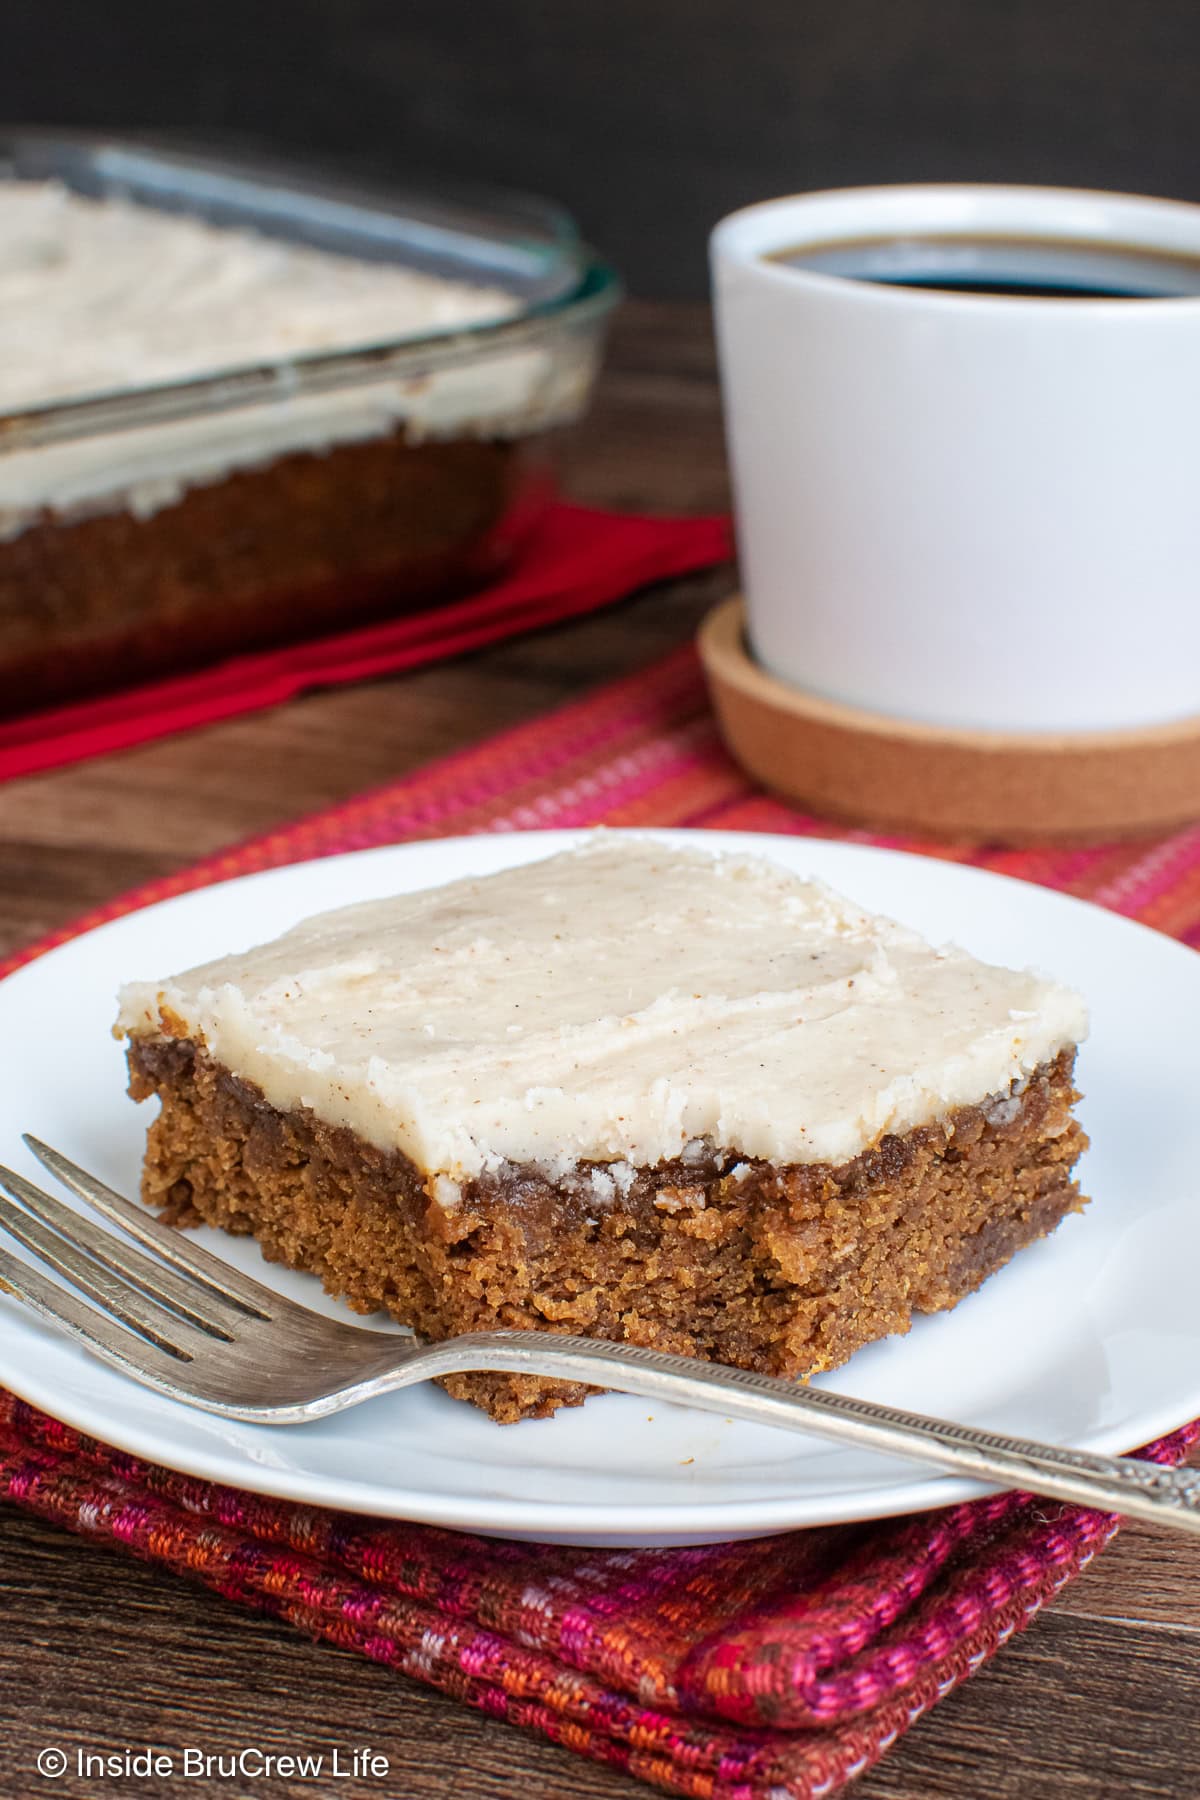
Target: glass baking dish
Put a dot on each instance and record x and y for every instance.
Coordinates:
(159, 522)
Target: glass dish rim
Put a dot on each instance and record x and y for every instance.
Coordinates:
(594, 292)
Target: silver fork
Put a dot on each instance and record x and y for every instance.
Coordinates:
(190, 1326)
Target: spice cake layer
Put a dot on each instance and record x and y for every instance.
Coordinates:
(634, 1090)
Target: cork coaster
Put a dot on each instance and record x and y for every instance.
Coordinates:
(894, 772)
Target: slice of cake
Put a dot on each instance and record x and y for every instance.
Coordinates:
(653, 1094)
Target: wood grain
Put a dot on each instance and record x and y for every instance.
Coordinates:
(1099, 1698)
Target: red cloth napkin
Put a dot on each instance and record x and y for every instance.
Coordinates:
(575, 561)
(770, 1670)
(775, 1670)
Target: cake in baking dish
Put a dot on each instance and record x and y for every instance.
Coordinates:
(181, 534)
(634, 1090)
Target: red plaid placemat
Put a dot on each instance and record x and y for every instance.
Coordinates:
(775, 1670)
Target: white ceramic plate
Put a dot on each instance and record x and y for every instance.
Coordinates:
(1091, 1338)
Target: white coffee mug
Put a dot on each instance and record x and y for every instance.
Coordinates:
(970, 510)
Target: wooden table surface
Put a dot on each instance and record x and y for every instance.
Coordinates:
(1100, 1698)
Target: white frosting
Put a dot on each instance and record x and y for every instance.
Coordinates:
(615, 1004)
(97, 295)
(105, 296)
(147, 468)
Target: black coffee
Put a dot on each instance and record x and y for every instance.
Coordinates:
(1030, 268)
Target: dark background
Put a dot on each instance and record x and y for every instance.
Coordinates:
(649, 118)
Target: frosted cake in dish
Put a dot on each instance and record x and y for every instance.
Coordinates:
(125, 550)
(646, 1093)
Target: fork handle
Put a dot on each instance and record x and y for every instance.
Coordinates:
(1136, 1488)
